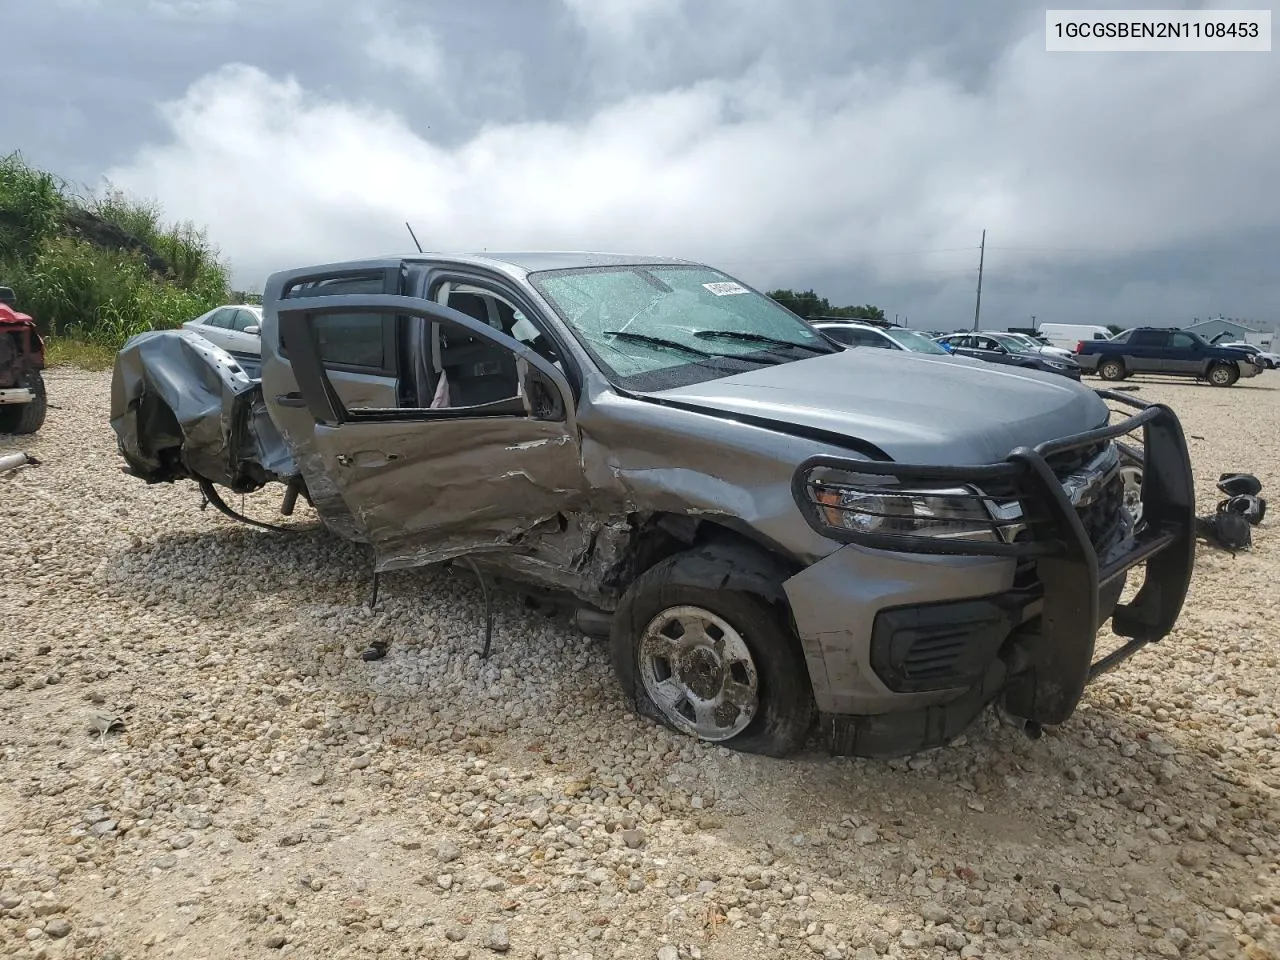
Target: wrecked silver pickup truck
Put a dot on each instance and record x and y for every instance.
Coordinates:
(776, 531)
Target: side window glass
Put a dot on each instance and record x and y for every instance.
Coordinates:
(244, 319)
(352, 339)
(355, 341)
(1180, 341)
(471, 374)
(221, 318)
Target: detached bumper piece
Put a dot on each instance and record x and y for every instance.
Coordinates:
(1074, 554)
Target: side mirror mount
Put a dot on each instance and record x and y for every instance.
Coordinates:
(253, 330)
(547, 394)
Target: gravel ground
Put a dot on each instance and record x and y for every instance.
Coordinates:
(263, 792)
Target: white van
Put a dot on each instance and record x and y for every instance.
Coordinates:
(1067, 335)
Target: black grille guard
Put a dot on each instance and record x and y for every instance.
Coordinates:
(1059, 662)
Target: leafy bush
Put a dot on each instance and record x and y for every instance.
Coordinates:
(100, 268)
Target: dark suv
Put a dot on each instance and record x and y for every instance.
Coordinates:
(1160, 350)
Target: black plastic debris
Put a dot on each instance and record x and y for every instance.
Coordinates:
(1250, 507)
(1239, 484)
(1229, 527)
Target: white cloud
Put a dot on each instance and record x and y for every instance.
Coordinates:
(413, 50)
(620, 19)
(1083, 157)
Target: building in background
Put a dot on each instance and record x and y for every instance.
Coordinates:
(1215, 327)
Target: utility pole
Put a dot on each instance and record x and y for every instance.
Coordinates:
(1033, 321)
(982, 254)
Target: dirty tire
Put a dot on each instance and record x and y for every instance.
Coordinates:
(1223, 375)
(26, 417)
(784, 711)
(1111, 370)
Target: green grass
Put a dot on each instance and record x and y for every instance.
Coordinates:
(85, 355)
(94, 291)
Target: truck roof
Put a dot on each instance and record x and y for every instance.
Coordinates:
(535, 260)
(517, 265)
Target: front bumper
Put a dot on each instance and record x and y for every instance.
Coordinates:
(16, 395)
(1017, 619)
(1248, 368)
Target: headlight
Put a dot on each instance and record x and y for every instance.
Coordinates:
(1059, 364)
(951, 512)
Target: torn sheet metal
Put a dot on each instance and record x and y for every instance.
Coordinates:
(421, 502)
(182, 406)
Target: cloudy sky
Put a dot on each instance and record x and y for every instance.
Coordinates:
(859, 148)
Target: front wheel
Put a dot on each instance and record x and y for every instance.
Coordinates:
(26, 417)
(1111, 370)
(717, 664)
(1223, 375)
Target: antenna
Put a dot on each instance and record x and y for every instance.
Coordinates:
(414, 235)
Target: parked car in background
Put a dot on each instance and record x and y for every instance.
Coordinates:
(1160, 350)
(1067, 335)
(1039, 345)
(993, 348)
(236, 328)
(857, 334)
(1264, 359)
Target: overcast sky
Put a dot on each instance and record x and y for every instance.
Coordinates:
(859, 148)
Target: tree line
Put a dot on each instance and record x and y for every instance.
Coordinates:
(809, 304)
(100, 266)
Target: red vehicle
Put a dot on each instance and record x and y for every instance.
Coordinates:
(22, 395)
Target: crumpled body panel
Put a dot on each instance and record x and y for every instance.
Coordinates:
(183, 407)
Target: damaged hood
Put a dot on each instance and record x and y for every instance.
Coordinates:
(916, 408)
(183, 406)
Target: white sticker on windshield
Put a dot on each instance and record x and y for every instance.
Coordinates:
(726, 289)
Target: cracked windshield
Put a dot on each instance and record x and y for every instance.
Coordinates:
(641, 321)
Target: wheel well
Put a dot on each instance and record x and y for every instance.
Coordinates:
(159, 437)
(761, 562)
(1225, 365)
